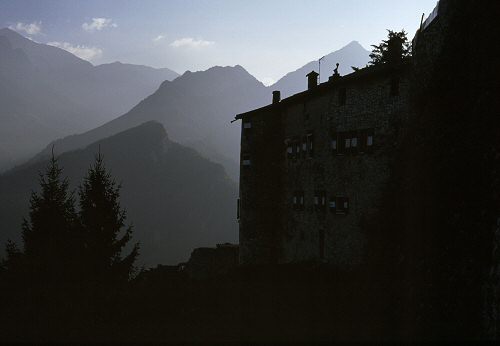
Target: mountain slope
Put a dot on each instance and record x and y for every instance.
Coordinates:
(175, 199)
(351, 55)
(30, 108)
(195, 108)
(48, 93)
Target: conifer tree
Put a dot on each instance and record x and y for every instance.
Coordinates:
(52, 242)
(103, 224)
(393, 50)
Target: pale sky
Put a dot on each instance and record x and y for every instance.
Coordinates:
(268, 38)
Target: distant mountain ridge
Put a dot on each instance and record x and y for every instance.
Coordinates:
(176, 199)
(196, 109)
(48, 93)
(351, 55)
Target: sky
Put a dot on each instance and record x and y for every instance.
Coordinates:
(269, 38)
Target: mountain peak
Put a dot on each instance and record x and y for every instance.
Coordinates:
(13, 35)
(353, 45)
(352, 54)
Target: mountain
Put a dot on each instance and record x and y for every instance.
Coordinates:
(196, 108)
(48, 93)
(176, 199)
(351, 55)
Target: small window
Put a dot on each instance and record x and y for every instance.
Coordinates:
(334, 144)
(365, 140)
(297, 148)
(320, 200)
(347, 143)
(298, 200)
(342, 96)
(310, 145)
(238, 207)
(354, 142)
(342, 205)
(246, 160)
(369, 140)
(247, 125)
(333, 205)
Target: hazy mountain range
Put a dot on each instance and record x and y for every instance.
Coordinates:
(47, 93)
(176, 199)
(196, 109)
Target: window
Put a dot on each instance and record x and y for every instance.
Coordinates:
(333, 143)
(347, 143)
(333, 204)
(320, 200)
(342, 96)
(297, 148)
(298, 200)
(369, 140)
(365, 140)
(304, 145)
(342, 205)
(238, 207)
(310, 145)
(395, 86)
(354, 142)
(247, 125)
(246, 160)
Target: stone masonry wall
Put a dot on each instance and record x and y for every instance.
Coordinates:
(360, 177)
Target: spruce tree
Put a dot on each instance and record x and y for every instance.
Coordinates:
(52, 241)
(391, 51)
(103, 224)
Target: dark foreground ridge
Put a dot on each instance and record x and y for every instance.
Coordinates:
(307, 302)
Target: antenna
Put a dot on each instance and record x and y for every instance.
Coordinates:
(319, 68)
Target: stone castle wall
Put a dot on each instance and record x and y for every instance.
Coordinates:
(320, 232)
(286, 198)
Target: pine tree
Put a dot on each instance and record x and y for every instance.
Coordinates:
(391, 51)
(103, 224)
(51, 237)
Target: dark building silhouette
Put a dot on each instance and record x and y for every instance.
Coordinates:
(314, 165)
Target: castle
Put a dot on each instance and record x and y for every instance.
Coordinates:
(314, 166)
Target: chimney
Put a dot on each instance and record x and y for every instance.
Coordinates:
(276, 96)
(312, 80)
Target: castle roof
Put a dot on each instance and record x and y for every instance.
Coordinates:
(362, 75)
